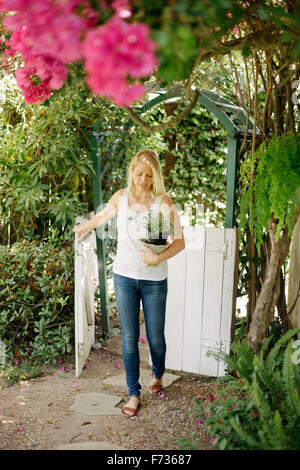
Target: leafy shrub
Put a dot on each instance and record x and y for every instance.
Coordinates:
(275, 186)
(264, 411)
(13, 374)
(37, 299)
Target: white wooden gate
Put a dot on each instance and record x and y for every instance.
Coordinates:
(199, 304)
(86, 284)
(200, 300)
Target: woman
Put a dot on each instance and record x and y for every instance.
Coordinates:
(138, 272)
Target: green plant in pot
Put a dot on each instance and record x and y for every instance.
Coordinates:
(157, 228)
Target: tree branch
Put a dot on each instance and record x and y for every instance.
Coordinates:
(260, 40)
(164, 125)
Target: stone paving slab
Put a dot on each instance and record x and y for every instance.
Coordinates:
(97, 404)
(89, 445)
(145, 379)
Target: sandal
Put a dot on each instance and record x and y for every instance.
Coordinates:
(154, 389)
(132, 411)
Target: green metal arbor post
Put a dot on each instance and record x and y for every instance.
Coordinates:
(232, 117)
(95, 141)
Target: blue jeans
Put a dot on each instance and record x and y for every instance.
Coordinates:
(128, 292)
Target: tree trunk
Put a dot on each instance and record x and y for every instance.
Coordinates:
(269, 294)
(294, 277)
(281, 306)
(253, 276)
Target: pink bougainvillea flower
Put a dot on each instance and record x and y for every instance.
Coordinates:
(48, 36)
(212, 397)
(114, 52)
(234, 31)
(161, 395)
(74, 386)
(32, 93)
(118, 365)
(16, 362)
(51, 34)
(200, 421)
(60, 361)
(212, 440)
(200, 397)
(54, 27)
(138, 415)
(122, 8)
(20, 429)
(143, 339)
(63, 368)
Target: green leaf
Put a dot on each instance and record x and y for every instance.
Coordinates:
(263, 14)
(246, 51)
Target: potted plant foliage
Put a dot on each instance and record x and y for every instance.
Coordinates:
(157, 228)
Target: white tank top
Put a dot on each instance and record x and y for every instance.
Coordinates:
(128, 261)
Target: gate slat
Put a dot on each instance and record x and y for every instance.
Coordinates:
(84, 251)
(175, 311)
(213, 280)
(195, 255)
(228, 294)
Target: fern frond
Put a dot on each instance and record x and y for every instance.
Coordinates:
(242, 359)
(261, 402)
(270, 360)
(265, 346)
(292, 399)
(243, 435)
(264, 442)
(278, 433)
(266, 379)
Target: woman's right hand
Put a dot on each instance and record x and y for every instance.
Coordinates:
(80, 229)
(101, 217)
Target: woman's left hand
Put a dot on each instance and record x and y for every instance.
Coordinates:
(149, 256)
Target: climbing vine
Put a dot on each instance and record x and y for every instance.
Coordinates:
(277, 179)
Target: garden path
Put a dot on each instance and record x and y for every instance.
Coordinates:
(37, 413)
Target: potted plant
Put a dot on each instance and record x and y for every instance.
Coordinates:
(157, 228)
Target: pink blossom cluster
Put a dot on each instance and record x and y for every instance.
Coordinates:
(122, 8)
(114, 51)
(51, 34)
(32, 93)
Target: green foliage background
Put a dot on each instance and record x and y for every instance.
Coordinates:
(262, 411)
(198, 174)
(46, 181)
(275, 186)
(37, 299)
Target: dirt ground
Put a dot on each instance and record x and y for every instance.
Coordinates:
(34, 414)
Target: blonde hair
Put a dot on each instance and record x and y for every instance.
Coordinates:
(150, 158)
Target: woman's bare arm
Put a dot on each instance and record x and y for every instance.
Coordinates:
(168, 209)
(169, 212)
(101, 217)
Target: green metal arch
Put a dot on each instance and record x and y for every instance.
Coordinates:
(232, 117)
(215, 103)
